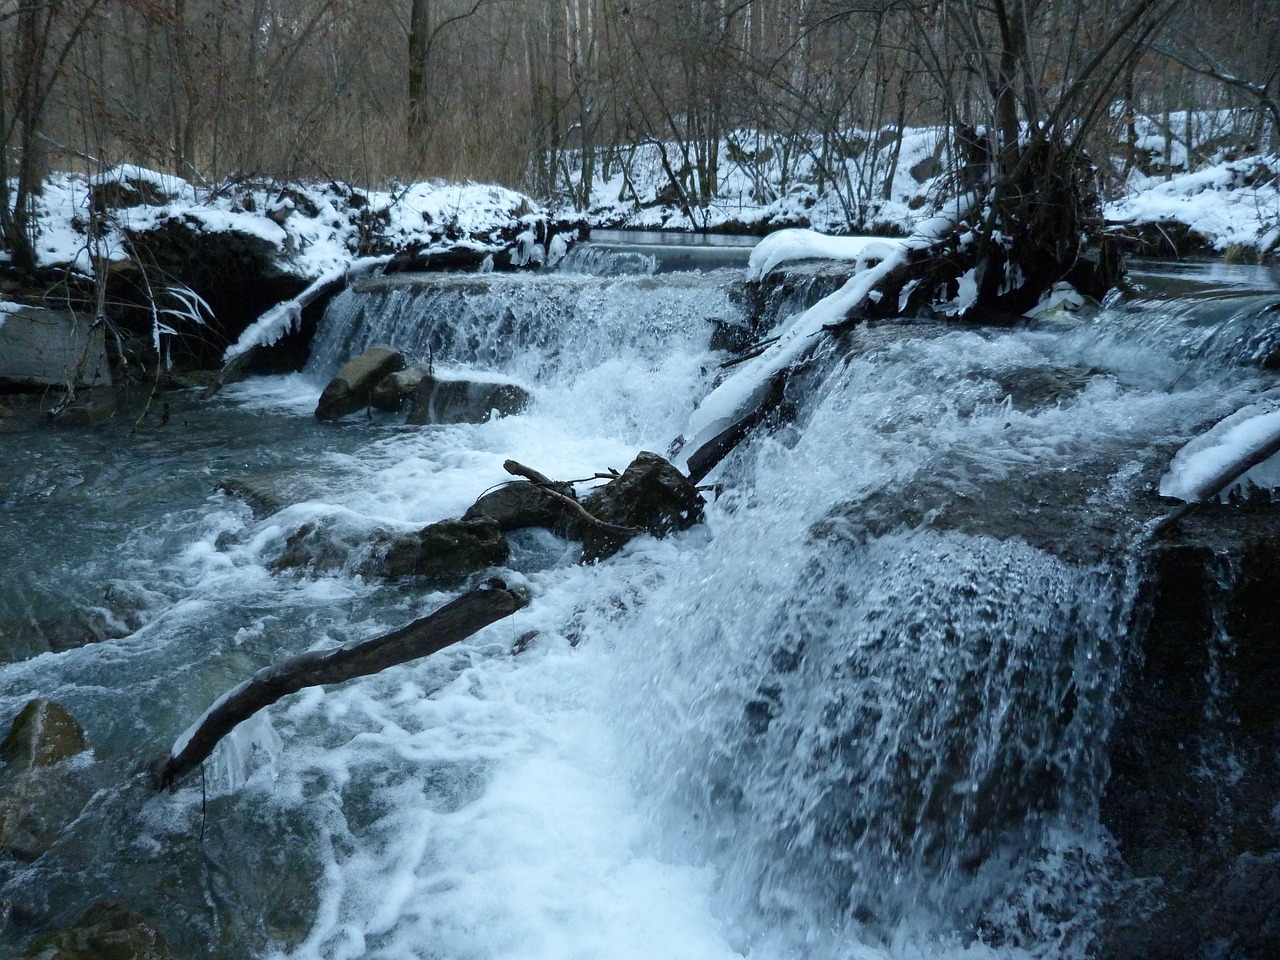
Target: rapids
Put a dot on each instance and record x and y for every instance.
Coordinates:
(860, 712)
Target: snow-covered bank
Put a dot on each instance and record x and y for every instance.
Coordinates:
(313, 228)
(1230, 206)
(886, 185)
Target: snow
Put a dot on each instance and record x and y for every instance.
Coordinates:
(768, 180)
(1206, 467)
(738, 394)
(787, 246)
(1234, 203)
(314, 228)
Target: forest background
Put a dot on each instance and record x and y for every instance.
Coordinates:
(557, 97)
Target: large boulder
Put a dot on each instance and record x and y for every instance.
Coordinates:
(651, 496)
(40, 347)
(350, 390)
(448, 549)
(1192, 797)
(447, 398)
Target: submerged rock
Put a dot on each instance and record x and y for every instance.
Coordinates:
(443, 398)
(450, 548)
(350, 390)
(42, 734)
(105, 932)
(651, 496)
(39, 794)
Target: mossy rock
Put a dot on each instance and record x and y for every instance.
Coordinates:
(350, 390)
(105, 932)
(448, 549)
(43, 734)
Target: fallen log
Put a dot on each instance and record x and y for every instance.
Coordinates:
(456, 620)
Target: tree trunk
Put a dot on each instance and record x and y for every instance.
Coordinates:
(419, 34)
(456, 620)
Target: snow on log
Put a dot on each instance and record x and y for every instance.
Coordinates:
(790, 245)
(456, 620)
(283, 317)
(1241, 448)
(728, 411)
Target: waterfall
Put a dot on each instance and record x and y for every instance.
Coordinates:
(535, 327)
(865, 710)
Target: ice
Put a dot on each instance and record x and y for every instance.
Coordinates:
(1212, 464)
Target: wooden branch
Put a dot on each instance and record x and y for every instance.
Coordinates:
(456, 620)
(517, 469)
(553, 489)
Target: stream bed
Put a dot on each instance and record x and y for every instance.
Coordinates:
(860, 712)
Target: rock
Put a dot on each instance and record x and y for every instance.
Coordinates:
(87, 407)
(349, 391)
(74, 626)
(40, 347)
(450, 548)
(1191, 799)
(520, 504)
(105, 932)
(441, 398)
(43, 733)
(271, 491)
(651, 495)
(39, 794)
(395, 389)
(315, 546)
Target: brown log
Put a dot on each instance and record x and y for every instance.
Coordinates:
(518, 469)
(456, 620)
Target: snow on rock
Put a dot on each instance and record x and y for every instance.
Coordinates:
(1212, 464)
(143, 184)
(314, 228)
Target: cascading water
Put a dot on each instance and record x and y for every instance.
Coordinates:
(862, 711)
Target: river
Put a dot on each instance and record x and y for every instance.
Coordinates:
(860, 712)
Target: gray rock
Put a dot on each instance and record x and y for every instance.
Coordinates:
(651, 495)
(350, 390)
(51, 347)
(448, 549)
(443, 399)
(394, 390)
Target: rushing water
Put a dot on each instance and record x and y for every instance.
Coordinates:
(860, 712)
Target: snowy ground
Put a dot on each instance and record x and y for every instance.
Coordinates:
(764, 183)
(317, 228)
(1224, 202)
